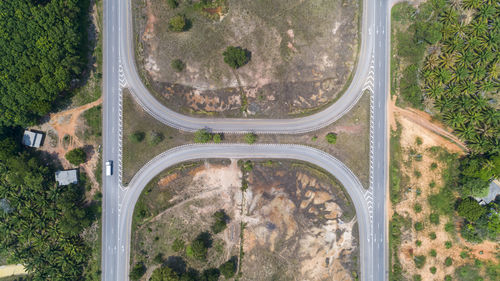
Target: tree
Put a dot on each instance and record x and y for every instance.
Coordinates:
(158, 258)
(419, 226)
(137, 137)
(164, 273)
(177, 23)
(419, 261)
(434, 218)
(470, 209)
(155, 137)
(250, 138)
(202, 136)
(211, 274)
(228, 269)
(137, 271)
(217, 138)
(220, 223)
(331, 138)
(236, 57)
(475, 187)
(178, 65)
(76, 156)
(178, 245)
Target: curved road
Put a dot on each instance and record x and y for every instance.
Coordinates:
(128, 197)
(232, 125)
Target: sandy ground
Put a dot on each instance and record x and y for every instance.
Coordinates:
(68, 123)
(11, 270)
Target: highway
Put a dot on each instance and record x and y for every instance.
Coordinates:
(372, 73)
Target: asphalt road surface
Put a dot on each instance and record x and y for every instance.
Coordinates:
(118, 203)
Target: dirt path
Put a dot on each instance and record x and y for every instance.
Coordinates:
(12, 270)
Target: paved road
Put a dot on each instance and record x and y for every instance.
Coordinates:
(230, 125)
(119, 70)
(169, 158)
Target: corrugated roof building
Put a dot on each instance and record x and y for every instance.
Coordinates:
(32, 139)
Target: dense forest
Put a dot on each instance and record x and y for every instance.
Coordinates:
(42, 50)
(41, 44)
(451, 62)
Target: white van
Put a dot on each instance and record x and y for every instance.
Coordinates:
(109, 168)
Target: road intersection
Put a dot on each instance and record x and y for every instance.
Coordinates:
(120, 71)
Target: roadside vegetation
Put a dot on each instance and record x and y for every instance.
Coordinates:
(51, 60)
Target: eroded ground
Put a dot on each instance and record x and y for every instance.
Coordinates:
(297, 222)
(302, 55)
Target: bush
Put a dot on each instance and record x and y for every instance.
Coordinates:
(178, 245)
(448, 261)
(470, 209)
(417, 208)
(137, 137)
(448, 244)
(228, 269)
(432, 235)
(417, 277)
(76, 156)
(221, 219)
(236, 57)
(464, 254)
(177, 23)
(433, 270)
(155, 138)
(250, 138)
(419, 226)
(434, 218)
(434, 166)
(137, 271)
(449, 227)
(197, 250)
(158, 258)
(475, 187)
(418, 243)
(172, 4)
(177, 65)
(202, 136)
(447, 278)
(419, 261)
(331, 138)
(211, 274)
(217, 138)
(433, 253)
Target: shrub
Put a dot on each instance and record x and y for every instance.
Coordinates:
(177, 23)
(447, 278)
(137, 137)
(417, 208)
(221, 219)
(158, 258)
(419, 226)
(433, 270)
(137, 271)
(418, 141)
(202, 136)
(331, 138)
(178, 245)
(464, 254)
(178, 65)
(250, 138)
(418, 243)
(155, 138)
(314, 138)
(417, 277)
(470, 209)
(448, 244)
(434, 218)
(236, 57)
(475, 187)
(197, 250)
(228, 269)
(417, 174)
(172, 4)
(449, 227)
(211, 274)
(433, 253)
(432, 184)
(434, 166)
(419, 261)
(217, 138)
(76, 156)
(448, 261)
(432, 235)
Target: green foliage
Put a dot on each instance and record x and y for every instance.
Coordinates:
(248, 166)
(202, 136)
(434, 218)
(433, 253)
(419, 261)
(331, 138)
(137, 137)
(314, 138)
(217, 138)
(449, 227)
(417, 208)
(178, 65)
(42, 52)
(418, 243)
(443, 201)
(158, 258)
(432, 235)
(474, 187)
(419, 226)
(433, 270)
(250, 138)
(178, 245)
(434, 166)
(211, 274)
(172, 4)
(464, 254)
(467, 273)
(470, 209)
(164, 273)
(448, 261)
(228, 269)
(448, 244)
(93, 120)
(448, 278)
(137, 271)
(236, 57)
(408, 86)
(154, 137)
(417, 277)
(220, 221)
(178, 24)
(76, 156)
(419, 141)
(199, 247)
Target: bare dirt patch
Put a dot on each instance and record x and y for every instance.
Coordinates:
(302, 55)
(298, 222)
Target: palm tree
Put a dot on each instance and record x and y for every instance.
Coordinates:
(472, 4)
(447, 60)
